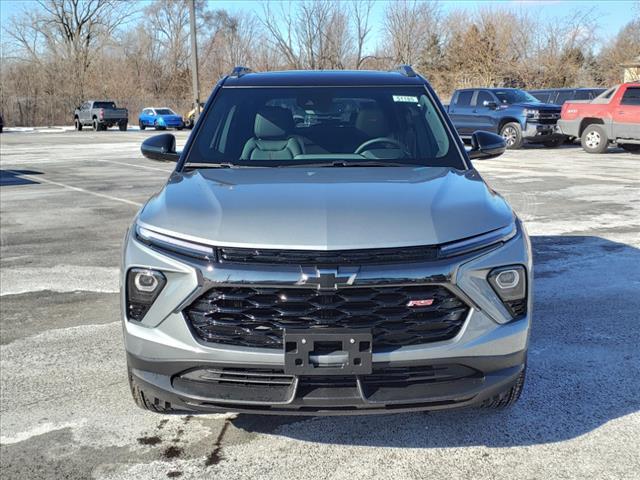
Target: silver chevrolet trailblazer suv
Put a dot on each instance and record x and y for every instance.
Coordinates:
(325, 246)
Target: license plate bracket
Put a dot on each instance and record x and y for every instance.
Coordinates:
(304, 352)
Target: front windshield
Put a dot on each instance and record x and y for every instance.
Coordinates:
(165, 111)
(279, 126)
(515, 96)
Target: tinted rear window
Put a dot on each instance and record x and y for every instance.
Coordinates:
(110, 105)
(631, 96)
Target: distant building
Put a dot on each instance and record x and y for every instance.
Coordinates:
(631, 69)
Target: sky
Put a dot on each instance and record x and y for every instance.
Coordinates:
(612, 15)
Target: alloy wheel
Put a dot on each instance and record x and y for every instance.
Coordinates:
(509, 134)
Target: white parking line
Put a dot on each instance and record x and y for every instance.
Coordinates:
(38, 179)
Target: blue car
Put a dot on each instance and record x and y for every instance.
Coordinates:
(160, 119)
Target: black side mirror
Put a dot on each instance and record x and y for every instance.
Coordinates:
(160, 147)
(486, 145)
(491, 105)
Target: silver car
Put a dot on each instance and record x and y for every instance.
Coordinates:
(325, 246)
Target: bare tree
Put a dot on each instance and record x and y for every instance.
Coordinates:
(361, 12)
(408, 26)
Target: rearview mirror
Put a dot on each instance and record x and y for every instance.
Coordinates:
(486, 145)
(160, 147)
(489, 104)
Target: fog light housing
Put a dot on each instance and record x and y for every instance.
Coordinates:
(143, 287)
(510, 284)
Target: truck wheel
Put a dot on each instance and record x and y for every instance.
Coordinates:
(96, 125)
(512, 134)
(122, 126)
(594, 139)
(556, 142)
(147, 402)
(507, 397)
(78, 125)
(630, 147)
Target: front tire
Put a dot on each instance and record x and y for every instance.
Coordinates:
(96, 125)
(594, 139)
(122, 126)
(630, 147)
(512, 134)
(507, 397)
(142, 125)
(78, 125)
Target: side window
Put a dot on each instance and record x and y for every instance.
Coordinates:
(464, 98)
(583, 95)
(564, 96)
(631, 96)
(484, 96)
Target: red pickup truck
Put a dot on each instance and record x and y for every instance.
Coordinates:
(612, 117)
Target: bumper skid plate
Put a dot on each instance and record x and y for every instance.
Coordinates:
(327, 352)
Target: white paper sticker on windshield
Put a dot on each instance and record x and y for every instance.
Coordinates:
(405, 99)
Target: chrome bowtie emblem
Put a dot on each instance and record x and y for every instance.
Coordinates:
(328, 278)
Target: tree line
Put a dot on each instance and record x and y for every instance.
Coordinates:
(60, 52)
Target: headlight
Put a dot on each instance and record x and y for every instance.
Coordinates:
(531, 113)
(143, 287)
(510, 283)
(175, 245)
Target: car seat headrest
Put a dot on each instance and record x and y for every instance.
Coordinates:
(273, 123)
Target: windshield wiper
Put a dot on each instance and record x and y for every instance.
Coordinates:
(213, 165)
(348, 163)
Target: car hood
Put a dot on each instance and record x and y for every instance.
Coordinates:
(538, 106)
(326, 208)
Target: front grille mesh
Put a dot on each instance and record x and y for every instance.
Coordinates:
(257, 317)
(333, 257)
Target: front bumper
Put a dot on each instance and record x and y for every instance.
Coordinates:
(427, 388)
(570, 128)
(489, 347)
(540, 132)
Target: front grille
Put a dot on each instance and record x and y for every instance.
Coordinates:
(403, 376)
(328, 258)
(257, 317)
(548, 118)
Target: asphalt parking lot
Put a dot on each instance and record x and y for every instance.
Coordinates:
(66, 411)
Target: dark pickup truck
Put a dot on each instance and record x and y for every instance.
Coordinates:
(515, 114)
(100, 114)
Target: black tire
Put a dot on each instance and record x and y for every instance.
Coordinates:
(147, 402)
(630, 147)
(96, 125)
(594, 139)
(78, 124)
(512, 134)
(556, 142)
(179, 128)
(122, 126)
(507, 397)
(142, 125)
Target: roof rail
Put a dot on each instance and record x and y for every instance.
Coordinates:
(240, 71)
(405, 70)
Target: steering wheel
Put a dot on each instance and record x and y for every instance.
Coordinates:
(365, 146)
